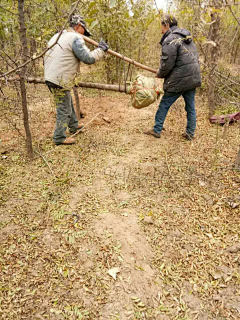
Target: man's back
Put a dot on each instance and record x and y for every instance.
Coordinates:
(60, 63)
(179, 61)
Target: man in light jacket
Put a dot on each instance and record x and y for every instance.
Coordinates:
(180, 68)
(61, 63)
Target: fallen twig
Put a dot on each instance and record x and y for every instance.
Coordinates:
(73, 135)
(45, 160)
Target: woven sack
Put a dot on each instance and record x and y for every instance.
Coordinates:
(143, 91)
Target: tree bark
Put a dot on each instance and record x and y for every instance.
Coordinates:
(234, 57)
(77, 102)
(90, 85)
(33, 50)
(23, 37)
(214, 36)
(237, 163)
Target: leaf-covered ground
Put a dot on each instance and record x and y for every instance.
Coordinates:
(163, 212)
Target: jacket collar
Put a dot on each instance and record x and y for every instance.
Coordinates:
(167, 34)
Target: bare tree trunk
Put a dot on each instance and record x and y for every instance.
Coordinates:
(214, 36)
(13, 42)
(234, 56)
(23, 37)
(77, 102)
(237, 163)
(33, 50)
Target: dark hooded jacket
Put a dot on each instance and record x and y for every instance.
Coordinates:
(179, 61)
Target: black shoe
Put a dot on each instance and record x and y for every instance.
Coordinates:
(187, 136)
(152, 133)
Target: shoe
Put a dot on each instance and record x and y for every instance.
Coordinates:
(187, 136)
(153, 133)
(67, 141)
(80, 126)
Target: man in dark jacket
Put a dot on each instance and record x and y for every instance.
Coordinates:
(180, 68)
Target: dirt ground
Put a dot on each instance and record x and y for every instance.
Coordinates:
(120, 225)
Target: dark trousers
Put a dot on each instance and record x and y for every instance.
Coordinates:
(167, 100)
(66, 116)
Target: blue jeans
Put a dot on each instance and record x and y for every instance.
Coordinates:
(167, 100)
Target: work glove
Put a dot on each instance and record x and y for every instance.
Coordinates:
(102, 45)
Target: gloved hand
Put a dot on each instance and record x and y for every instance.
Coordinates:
(102, 45)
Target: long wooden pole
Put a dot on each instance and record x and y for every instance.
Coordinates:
(113, 53)
(101, 86)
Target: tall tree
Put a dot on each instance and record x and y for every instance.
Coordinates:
(22, 73)
(213, 59)
(237, 163)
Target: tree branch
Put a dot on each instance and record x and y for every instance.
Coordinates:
(45, 160)
(8, 57)
(46, 9)
(233, 39)
(2, 7)
(13, 124)
(230, 8)
(47, 49)
(156, 5)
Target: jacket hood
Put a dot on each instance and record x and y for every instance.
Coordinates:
(185, 34)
